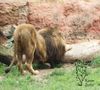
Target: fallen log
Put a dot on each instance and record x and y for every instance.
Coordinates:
(86, 51)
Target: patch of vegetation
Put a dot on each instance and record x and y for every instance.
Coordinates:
(96, 62)
(37, 65)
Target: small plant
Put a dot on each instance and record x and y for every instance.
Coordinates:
(81, 72)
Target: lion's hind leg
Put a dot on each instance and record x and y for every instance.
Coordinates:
(29, 61)
(20, 64)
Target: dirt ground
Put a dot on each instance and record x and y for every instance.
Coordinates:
(45, 72)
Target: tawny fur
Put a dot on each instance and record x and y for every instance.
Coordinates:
(24, 45)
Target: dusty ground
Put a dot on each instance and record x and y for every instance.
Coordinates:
(44, 72)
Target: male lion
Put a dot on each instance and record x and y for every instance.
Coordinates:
(55, 45)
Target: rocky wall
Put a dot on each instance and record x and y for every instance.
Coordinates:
(76, 19)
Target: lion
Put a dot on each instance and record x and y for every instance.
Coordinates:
(25, 44)
(55, 45)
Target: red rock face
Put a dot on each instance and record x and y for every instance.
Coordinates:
(12, 13)
(77, 20)
(44, 14)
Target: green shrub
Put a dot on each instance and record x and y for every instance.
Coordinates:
(81, 72)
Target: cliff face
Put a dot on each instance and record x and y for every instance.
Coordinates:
(77, 20)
